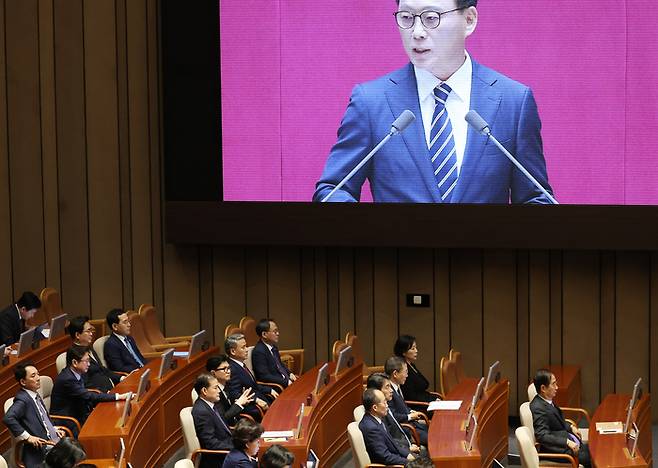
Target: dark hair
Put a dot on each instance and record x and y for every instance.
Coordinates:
(77, 325)
(29, 300)
(202, 381)
(263, 326)
(370, 398)
(76, 352)
(20, 370)
(394, 364)
(65, 454)
(460, 3)
(403, 344)
(276, 457)
(246, 431)
(377, 380)
(213, 362)
(232, 341)
(542, 377)
(113, 317)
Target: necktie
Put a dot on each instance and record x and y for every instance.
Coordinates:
(132, 352)
(399, 427)
(277, 361)
(51, 432)
(249, 372)
(219, 415)
(442, 145)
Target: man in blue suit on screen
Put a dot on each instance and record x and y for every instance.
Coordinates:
(438, 158)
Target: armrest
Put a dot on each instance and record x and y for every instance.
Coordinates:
(276, 387)
(18, 451)
(198, 452)
(424, 417)
(575, 414)
(67, 418)
(153, 355)
(94, 390)
(173, 339)
(560, 456)
(414, 432)
(440, 396)
(69, 432)
(166, 346)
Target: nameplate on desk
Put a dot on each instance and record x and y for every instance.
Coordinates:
(277, 436)
(181, 354)
(615, 427)
(445, 405)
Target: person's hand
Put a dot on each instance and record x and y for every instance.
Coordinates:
(274, 393)
(261, 404)
(125, 396)
(414, 448)
(410, 457)
(246, 397)
(415, 416)
(121, 379)
(36, 441)
(8, 350)
(573, 446)
(61, 433)
(575, 431)
(292, 377)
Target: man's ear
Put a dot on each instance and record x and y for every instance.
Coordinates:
(471, 16)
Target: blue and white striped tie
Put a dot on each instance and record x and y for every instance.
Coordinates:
(442, 145)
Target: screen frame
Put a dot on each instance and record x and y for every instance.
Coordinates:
(190, 48)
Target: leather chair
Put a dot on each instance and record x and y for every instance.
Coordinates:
(358, 413)
(60, 362)
(456, 357)
(191, 441)
(278, 388)
(231, 329)
(99, 347)
(526, 419)
(137, 332)
(572, 415)
(154, 334)
(359, 452)
(248, 327)
(3, 462)
(448, 375)
(530, 458)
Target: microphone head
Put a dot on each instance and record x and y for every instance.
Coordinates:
(402, 122)
(477, 122)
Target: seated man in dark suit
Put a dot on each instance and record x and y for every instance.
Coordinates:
(246, 443)
(219, 367)
(13, 318)
(380, 445)
(98, 376)
(27, 418)
(552, 431)
(397, 370)
(120, 350)
(265, 357)
(241, 376)
(211, 428)
(69, 396)
(401, 435)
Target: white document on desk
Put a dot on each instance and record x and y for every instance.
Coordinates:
(445, 405)
(277, 434)
(181, 354)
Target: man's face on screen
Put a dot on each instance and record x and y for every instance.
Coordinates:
(439, 50)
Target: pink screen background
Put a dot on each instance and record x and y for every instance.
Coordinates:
(288, 68)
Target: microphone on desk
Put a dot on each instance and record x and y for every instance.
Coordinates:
(398, 126)
(478, 123)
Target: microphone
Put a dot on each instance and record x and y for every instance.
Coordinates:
(398, 126)
(478, 123)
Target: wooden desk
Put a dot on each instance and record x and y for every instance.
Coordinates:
(446, 434)
(607, 450)
(153, 431)
(44, 360)
(569, 386)
(324, 425)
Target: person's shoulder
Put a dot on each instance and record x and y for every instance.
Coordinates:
(259, 347)
(395, 77)
(492, 77)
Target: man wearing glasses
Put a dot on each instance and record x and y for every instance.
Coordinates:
(438, 159)
(219, 367)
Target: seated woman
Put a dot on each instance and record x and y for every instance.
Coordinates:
(415, 387)
(246, 443)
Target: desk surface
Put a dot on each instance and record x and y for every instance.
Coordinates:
(152, 433)
(607, 450)
(446, 435)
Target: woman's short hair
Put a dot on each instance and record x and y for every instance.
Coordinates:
(65, 454)
(246, 431)
(403, 344)
(276, 457)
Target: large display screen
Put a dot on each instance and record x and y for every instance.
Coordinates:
(289, 67)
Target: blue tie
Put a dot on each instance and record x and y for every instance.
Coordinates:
(442, 145)
(134, 354)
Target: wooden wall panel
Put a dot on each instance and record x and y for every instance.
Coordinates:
(441, 296)
(524, 345)
(307, 289)
(322, 341)
(256, 282)
(6, 281)
(385, 324)
(24, 144)
(608, 343)
(653, 343)
(555, 330)
(346, 306)
(228, 288)
(181, 290)
(285, 304)
(538, 297)
(364, 302)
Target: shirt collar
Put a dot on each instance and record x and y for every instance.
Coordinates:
(550, 402)
(212, 405)
(460, 81)
(239, 362)
(269, 346)
(77, 376)
(121, 337)
(32, 394)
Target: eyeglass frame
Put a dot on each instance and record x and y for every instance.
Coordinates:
(420, 15)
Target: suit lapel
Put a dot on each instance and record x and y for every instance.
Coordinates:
(485, 99)
(402, 96)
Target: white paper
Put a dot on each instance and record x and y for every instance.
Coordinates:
(14, 351)
(277, 434)
(46, 332)
(615, 427)
(446, 405)
(181, 354)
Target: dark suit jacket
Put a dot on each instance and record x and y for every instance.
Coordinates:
(551, 429)
(229, 409)
(241, 379)
(237, 458)
(264, 364)
(397, 433)
(71, 398)
(380, 445)
(415, 387)
(401, 411)
(98, 376)
(118, 357)
(402, 170)
(212, 434)
(11, 325)
(23, 415)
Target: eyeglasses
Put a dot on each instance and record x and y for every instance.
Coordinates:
(224, 369)
(429, 19)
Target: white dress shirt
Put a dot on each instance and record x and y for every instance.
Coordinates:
(458, 104)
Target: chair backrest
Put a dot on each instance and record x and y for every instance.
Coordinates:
(361, 457)
(190, 439)
(456, 358)
(194, 395)
(532, 391)
(8, 403)
(3, 462)
(231, 329)
(152, 329)
(138, 334)
(337, 348)
(354, 342)
(358, 413)
(247, 361)
(101, 327)
(60, 362)
(51, 305)
(526, 418)
(99, 347)
(248, 326)
(45, 390)
(448, 375)
(528, 452)
(184, 463)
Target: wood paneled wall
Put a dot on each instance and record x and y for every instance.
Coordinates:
(81, 211)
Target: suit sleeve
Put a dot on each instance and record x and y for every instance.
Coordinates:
(6, 335)
(12, 418)
(530, 153)
(73, 390)
(234, 387)
(205, 431)
(114, 358)
(399, 412)
(380, 451)
(259, 360)
(353, 143)
(543, 433)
